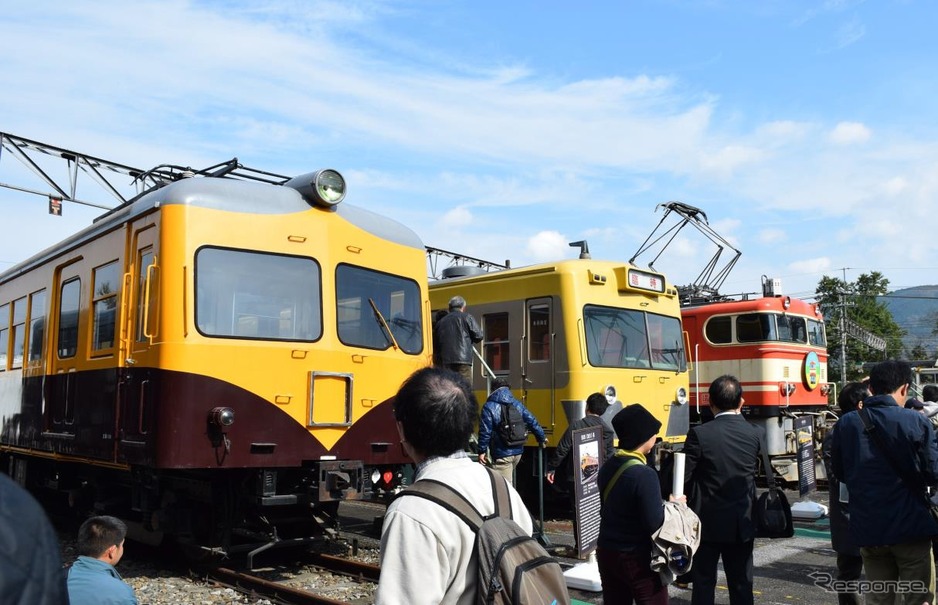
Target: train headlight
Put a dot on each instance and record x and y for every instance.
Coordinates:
(825, 389)
(611, 395)
(681, 395)
(222, 416)
(323, 187)
(786, 388)
(375, 476)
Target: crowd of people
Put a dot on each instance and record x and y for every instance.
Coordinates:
(881, 458)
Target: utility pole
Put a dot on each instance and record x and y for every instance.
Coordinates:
(843, 330)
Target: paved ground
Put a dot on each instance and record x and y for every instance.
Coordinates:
(782, 569)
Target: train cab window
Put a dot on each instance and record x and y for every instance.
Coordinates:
(37, 325)
(495, 345)
(816, 335)
(19, 332)
(107, 287)
(370, 303)
(69, 301)
(255, 295)
(755, 327)
(791, 328)
(4, 336)
(539, 333)
(719, 330)
(616, 337)
(667, 343)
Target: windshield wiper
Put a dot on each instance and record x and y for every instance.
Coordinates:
(385, 329)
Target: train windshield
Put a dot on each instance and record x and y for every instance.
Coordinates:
(756, 327)
(377, 310)
(254, 295)
(624, 338)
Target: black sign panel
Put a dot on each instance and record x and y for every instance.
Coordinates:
(587, 457)
(804, 431)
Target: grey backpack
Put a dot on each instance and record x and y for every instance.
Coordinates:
(513, 567)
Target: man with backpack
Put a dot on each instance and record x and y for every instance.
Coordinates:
(435, 546)
(503, 429)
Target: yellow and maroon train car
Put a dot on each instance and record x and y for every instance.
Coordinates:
(215, 358)
(777, 348)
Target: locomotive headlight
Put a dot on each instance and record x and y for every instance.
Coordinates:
(375, 476)
(330, 186)
(222, 416)
(681, 395)
(323, 187)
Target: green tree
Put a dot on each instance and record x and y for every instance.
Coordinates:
(858, 302)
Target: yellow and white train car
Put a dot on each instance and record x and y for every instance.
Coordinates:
(563, 330)
(215, 358)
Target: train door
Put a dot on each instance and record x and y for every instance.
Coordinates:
(65, 356)
(538, 360)
(140, 327)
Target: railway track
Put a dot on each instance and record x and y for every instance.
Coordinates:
(255, 585)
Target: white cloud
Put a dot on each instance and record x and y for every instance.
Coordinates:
(783, 131)
(772, 236)
(548, 245)
(818, 265)
(456, 218)
(849, 33)
(850, 133)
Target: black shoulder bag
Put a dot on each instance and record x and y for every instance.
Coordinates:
(771, 513)
(915, 487)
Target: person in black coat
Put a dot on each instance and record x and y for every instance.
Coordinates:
(849, 561)
(596, 405)
(719, 474)
(30, 564)
(453, 336)
(631, 511)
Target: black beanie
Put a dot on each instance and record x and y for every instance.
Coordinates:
(634, 426)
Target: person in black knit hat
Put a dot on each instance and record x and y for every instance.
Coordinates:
(631, 511)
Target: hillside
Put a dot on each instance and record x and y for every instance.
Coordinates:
(916, 311)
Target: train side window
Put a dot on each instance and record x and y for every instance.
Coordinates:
(19, 332)
(4, 336)
(495, 344)
(719, 330)
(69, 302)
(755, 327)
(37, 324)
(257, 295)
(539, 333)
(146, 308)
(107, 286)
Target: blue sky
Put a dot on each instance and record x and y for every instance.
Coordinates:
(806, 131)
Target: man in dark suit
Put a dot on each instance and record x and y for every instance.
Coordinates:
(719, 475)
